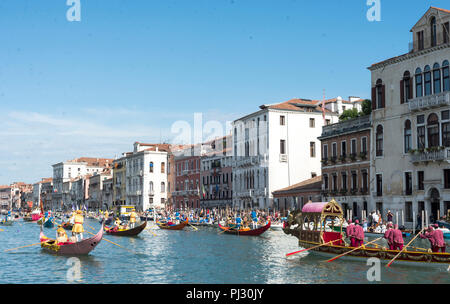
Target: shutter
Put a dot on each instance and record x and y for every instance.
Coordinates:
(374, 98)
(383, 96)
(402, 91)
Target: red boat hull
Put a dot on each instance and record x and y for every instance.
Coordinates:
(254, 232)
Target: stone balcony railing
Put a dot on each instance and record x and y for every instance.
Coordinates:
(428, 102)
(347, 126)
(442, 154)
(247, 161)
(245, 193)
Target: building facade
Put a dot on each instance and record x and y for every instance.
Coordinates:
(187, 187)
(346, 164)
(296, 196)
(411, 124)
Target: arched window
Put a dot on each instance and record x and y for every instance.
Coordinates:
(419, 83)
(445, 76)
(151, 167)
(427, 80)
(163, 167)
(437, 78)
(407, 136)
(433, 130)
(150, 187)
(379, 141)
(163, 187)
(433, 32)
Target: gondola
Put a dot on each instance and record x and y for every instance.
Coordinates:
(126, 232)
(180, 226)
(251, 232)
(83, 247)
(319, 240)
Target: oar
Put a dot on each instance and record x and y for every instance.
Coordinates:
(404, 248)
(303, 250)
(23, 246)
(341, 255)
(193, 226)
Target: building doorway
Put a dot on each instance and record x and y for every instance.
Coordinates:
(435, 204)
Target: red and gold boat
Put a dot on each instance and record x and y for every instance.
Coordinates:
(311, 228)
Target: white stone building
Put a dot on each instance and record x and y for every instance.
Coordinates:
(411, 124)
(277, 147)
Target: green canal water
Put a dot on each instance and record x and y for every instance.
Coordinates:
(190, 256)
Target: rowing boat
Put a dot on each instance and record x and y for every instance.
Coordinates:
(249, 232)
(80, 248)
(318, 239)
(180, 226)
(126, 232)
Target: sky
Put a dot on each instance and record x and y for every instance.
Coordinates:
(134, 70)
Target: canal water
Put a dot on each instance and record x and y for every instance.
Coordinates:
(202, 256)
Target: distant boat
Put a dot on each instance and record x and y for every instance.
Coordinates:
(165, 226)
(126, 232)
(249, 232)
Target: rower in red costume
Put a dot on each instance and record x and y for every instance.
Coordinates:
(350, 231)
(358, 233)
(397, 237)
(389, 236)
(436, 238)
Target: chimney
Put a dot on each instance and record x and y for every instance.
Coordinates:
(339, 104)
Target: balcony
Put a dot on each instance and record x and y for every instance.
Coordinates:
(364, 191)
(355, 124)
(283, 158)
(247, 161)
(429, 102)
(245, 194)
(430, 155)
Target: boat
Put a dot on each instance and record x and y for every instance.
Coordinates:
(27, 219)
(250, 232)
(180, 226)
(318, 239)
(276, 226)
(83, 247)
(6, 223)
(126, 232)
(49, 223)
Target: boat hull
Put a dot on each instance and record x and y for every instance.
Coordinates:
(83, 247)
(176, 227)
(254, 232)
(412, 258)
(129, 232)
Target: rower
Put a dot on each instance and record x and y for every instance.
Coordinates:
(350, 231)
(397, 238)
(61, 235)
(133, 216)
(254, 218)
(388, 235)
(238, 221)
(118, 223)
(77, 229)
(436, 238)
(358, 234)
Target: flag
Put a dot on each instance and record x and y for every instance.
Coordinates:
(323, 106)
(203, 191)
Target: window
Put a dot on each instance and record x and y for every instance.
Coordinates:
(354, 180)
(427, 80)
(344, 180)
(447, 178)
(407, 136)
(282, 146)
(379, 94)
(312, 149)
(408, 183)
(437, 78)
(325, 151)
(312, 123)
(353, 147)
(445, 77)
(420, 178)
(313, 174)
(446, 134)
(364, 180)
(419, 83)
(282, 120)
(327, 122)
(151, 167)
(433, 130)
(379, 185)
(335, 182)
(163, 187)
(433, 32)
(334, 150)
(420, 40)
(163, 167)
(406, 88)
(445, 32)
(421, 137)
(325, 181)
(343, 148)
(364, 145)
(379, 141)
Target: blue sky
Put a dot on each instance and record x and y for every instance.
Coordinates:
(130, 69)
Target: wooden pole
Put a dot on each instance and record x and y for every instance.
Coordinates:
(404, 248)
(423, 218)
(426, 217)
(403, 218)
(23, 247)
(396, 217)
(303, 250)
(414, 222)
